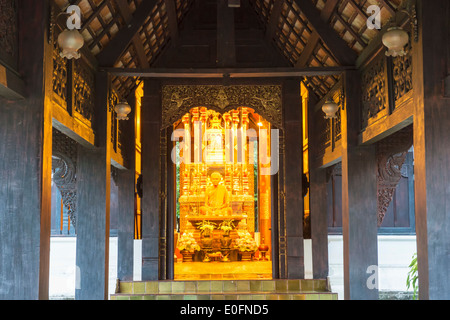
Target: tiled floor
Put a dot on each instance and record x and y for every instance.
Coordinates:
(223, 270)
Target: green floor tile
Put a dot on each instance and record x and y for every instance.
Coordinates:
(255, 285)
(320, 285)
(216, 286)
(229, 286)
(190, 287)
(139, 287)
(165, 287)
(152, 287)
(268, 286)
(242, 286)
(126, 287)
(178, 287)
(306, 285)
(204, 286)
(293, 285)
(298, 297)
(281, 286)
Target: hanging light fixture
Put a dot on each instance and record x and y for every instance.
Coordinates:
(395, 39)
(122, 110)
(330, 109)
(70, 41)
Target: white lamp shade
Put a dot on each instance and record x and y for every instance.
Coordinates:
(330, 108)
(122, 110)
(395, 40)
(70, 41)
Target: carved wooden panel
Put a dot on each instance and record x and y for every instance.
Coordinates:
(116, 125)
(64, 166)
(84, 90)
(391, 155)
(323, 132)
(113, 100)
(402, 75)
(59, 76)
(265, 100)
(374, 89)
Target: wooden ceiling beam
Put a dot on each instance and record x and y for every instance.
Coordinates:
(94, 15)
(327, 12)
(118, 45)
(226, 72)
(339, 48)
(124, 10)
(171, 9)
(274, 18)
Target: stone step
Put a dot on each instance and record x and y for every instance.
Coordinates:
(231, 296)
(280, 289)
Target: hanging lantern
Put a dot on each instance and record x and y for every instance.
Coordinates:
(330, 108)
(395, 39)
(122, 110)
(70, 41)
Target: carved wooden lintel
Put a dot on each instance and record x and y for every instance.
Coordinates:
(265, 99)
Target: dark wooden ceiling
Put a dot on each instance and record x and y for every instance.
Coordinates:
(304, 33)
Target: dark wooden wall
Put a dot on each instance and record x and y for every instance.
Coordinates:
(25, 167)
(399, 217)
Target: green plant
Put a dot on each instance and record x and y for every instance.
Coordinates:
(413, 276)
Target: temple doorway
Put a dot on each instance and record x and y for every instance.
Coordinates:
(223, 195)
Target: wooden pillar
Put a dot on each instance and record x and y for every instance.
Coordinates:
(170, 213)
(432, 149)
(359, 200)
(151, 131)
(317, 201)
(293, 173)
(126, 184)
(93, 204)
(125, 246)
(26, 162)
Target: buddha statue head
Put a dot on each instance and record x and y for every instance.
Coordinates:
(216, 177)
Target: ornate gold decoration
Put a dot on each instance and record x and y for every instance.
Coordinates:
(59, 74)
(265, 100)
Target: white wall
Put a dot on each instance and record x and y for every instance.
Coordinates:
(394, 256)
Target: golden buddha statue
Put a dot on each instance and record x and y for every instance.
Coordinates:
(216, 198)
